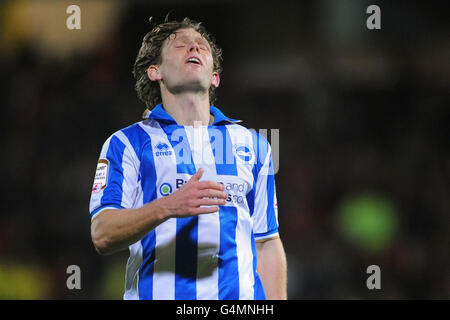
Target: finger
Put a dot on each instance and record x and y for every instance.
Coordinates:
(213, 193)
(210, 202)
(210, 185)
(197, 175)
(203, 210)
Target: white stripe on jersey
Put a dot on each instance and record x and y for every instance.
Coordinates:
(131, 161)
(208, 224)
(240, 136)
(164, 268)
(132, 272)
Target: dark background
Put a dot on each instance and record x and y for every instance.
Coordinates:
(364, 143)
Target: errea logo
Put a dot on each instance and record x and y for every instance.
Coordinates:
(162, 150)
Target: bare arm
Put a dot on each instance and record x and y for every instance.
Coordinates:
(114, 230)
(272, 268)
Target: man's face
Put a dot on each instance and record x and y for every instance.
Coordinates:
(186, 63)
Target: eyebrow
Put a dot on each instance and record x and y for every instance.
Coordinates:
(184, 37)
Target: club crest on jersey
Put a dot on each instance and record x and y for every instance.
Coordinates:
(162, 149)
(244, 153)
(101, 176)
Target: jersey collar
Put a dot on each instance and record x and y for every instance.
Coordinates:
(158, 113)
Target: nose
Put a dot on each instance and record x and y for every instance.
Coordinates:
(193, 46)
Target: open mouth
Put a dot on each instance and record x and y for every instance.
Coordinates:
(194, 60)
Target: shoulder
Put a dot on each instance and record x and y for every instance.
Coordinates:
(131, 137)
(138, 132)
(257, 139)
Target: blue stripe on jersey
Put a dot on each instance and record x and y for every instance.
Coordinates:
(180, 145)
(261, 147)
(145, 284)
(187, 228)
(186, 259)
(113, 192)
(141, 143)
(137, 137)
(258, 289)
(251, 194)
(222, 149)
(255, 170)
(228, 260)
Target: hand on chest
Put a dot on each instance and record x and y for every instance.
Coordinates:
(179, 153)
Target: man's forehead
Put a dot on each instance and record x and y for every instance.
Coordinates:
(185, 33)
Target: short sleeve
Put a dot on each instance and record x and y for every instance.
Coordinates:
(116, 178)
(265, 213)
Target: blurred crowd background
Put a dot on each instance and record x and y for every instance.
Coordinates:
(363, 116)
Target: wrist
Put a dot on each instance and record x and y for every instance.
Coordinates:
(162, 209)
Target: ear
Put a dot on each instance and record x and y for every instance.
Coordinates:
(215, 80)
(153, 73)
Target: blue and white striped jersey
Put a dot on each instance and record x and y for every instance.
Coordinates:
(210, 256)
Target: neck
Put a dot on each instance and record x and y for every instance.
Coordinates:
(188, 109)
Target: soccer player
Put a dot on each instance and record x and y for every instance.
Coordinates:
(189, 191)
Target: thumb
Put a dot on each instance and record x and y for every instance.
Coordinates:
(197, 175)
